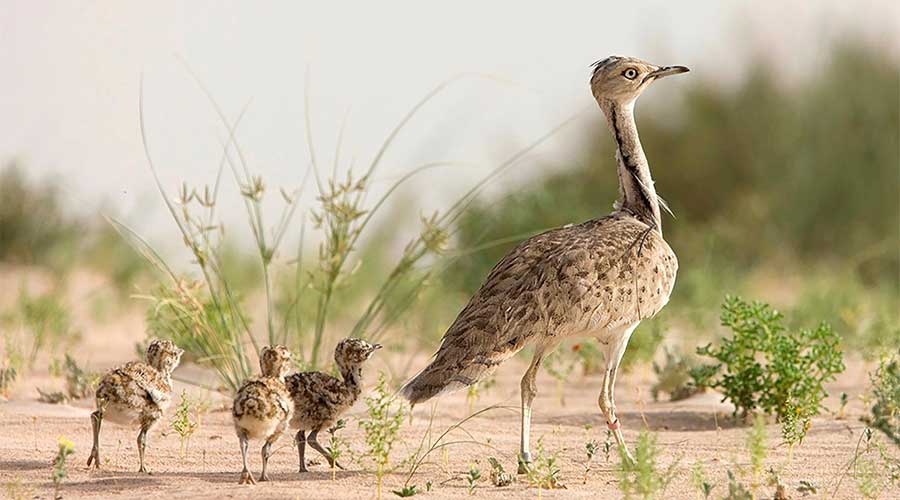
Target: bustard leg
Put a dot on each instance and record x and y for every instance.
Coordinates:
(142, 445)
(266, 452)
(529, 390)
(318, 447)
(301, 450)
(615, 349)
(96, 420)
(246, 477)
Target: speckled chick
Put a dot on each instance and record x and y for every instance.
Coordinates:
(320, 399)
(262, 407)
(136, 394)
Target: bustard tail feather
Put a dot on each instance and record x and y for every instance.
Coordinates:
(454, 368)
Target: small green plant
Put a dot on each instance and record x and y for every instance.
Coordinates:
(643, 478)
(795, 422)
(336, 446)
(841, 413)
(52, 397)
(757, 449)
(701, 482)
(42, 321)
(544, 471)
(406, 491)
(885, 394)
(736, 490)
(79, 383)
(472, 478)
(59, 474)
(762, 365)
(591, 447)
(674, 377)
(474, 392)
(608, 444)
(182, 423)
(385, 416)
(872, 467)
(499, 476)
(8, 374)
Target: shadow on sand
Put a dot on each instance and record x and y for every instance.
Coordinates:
(665, 420)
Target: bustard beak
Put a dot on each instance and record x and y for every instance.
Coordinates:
(375, 347)
(665, 71)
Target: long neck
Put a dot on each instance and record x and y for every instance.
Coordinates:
(635, 183)
(352, 377)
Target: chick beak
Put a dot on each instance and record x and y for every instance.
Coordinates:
(375, 347)
(665, 71)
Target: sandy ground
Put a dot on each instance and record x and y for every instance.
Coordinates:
(691, 431)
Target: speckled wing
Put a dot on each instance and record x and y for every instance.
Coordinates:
(132, 384)
(573, 280)
(318, 399)
(264, 397)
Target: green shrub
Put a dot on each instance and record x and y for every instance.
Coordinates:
(643, 478)
(382, 426)
(674, 377)
(763, 365)
(885, 394)
(37, 323)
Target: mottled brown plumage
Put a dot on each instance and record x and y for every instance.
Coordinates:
(320, 399)
(262, 407)
(599, 278)
(136, 394)
(570, 281)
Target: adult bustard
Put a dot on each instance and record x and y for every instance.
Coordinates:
(599, 278)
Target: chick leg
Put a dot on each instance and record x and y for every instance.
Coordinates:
(301, 450)
(246, 477)
(318, 447)
(96, 420)
(266, 453)
(142, 446)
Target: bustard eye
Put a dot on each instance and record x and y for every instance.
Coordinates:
(630, 73)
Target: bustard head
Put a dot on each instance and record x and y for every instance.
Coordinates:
(164, 355)
(275, 361)
(622, 79)
(351, 351)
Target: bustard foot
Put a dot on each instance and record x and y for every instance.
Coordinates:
(303, 468)
(524, 463)
(626, 455)
(143, 470)
(264, 477)
(246, 478)
(94, 458)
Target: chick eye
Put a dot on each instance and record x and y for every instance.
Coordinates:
(630, 73)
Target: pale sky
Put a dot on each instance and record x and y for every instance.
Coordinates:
(70, 75)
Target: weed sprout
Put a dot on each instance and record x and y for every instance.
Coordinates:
(59, 474)
(385, 416)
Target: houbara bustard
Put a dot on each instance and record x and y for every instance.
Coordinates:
(136, 394)
(262, 407)
(599, 278)
(320, 399)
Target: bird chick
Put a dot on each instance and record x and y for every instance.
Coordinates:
(320, 399)
(136, 393)
(262, 407)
